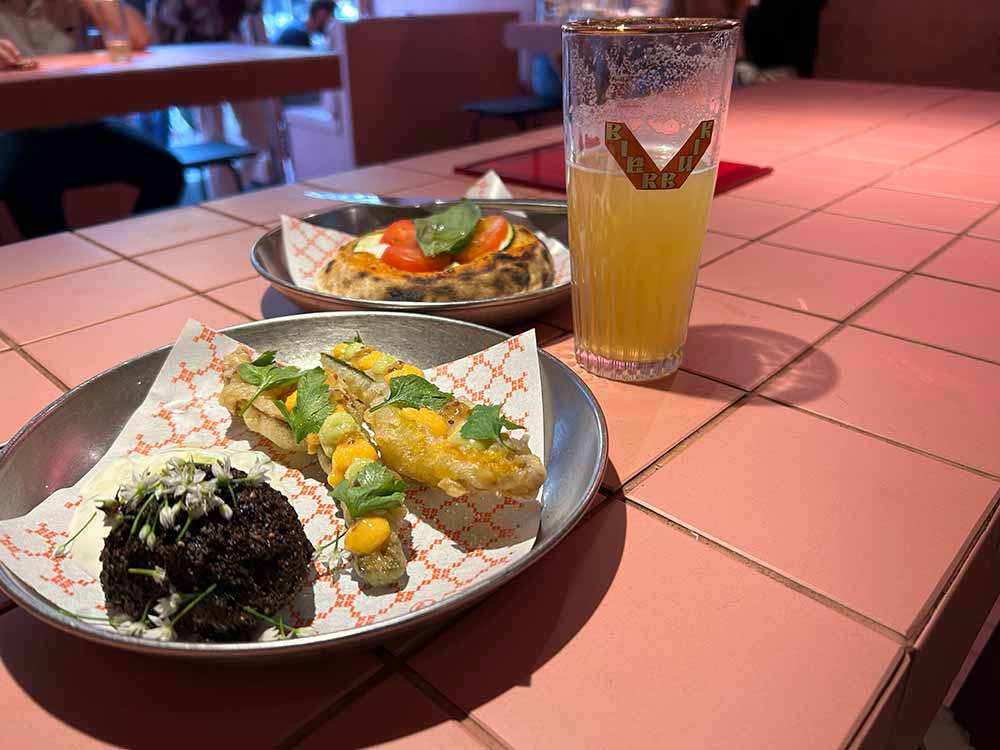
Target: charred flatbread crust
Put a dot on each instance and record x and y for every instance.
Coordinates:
(523, 266)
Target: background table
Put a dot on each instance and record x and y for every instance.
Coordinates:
(799, 539)
(86, 86)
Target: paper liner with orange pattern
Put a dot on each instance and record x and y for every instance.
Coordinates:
(451, 543)
(307, 246)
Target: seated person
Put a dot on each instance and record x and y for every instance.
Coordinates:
(298, 34)
(38, 165)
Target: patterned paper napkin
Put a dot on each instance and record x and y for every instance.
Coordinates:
(307, 247)
(453, 542)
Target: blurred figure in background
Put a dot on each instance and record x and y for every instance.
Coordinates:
(783, 33)
(38, 166)
(191, 21)
(299, 34)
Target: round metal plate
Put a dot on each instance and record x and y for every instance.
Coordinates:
(61, 443)
(268, 259)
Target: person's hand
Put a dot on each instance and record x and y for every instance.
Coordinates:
(9, 54)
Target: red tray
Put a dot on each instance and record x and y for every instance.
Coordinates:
(545, 167)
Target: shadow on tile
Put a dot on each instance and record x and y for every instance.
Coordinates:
(173, 701)
(274, 305)
(746, 356)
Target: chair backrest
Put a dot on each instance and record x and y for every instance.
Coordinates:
(406, 79)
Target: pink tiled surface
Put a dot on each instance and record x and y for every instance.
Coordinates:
(947, 183)
(716, 245)
(31, 260)
(821, 519)
(912, 209)
(161, 229)
(865, 241)
(27, 391)
(185, 700)
(988, 228)
(742, 342)
(263, 206)
(813, 486)
(749, 219)
(414, 723)
(930, 399)
(645, 420)
(802, 281)
(958, 317)
(851, 171)
(64, 303)
(74, 357)
(561, 677)
(972, 260)
(792, 189)
(380, 179)
(208, 263)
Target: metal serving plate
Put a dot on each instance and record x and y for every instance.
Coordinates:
(269, 261)
(61, 443)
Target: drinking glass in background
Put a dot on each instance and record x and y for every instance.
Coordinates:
(110, 19)
(645, 104)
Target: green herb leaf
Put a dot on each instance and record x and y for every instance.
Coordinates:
(264, 359)
(376, 488)
(416, 392)
(265, 376)
(485, 423)
(449, 230)
(312, 405)
(356, 339)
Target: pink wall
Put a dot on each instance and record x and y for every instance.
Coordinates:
(931, 42)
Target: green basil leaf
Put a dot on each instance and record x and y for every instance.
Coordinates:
(416, 392)
(312, 405)
(486, 423)
(265, 376)
(376, 488)
(449, 230)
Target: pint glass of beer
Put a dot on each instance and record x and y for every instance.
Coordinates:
(645, 102)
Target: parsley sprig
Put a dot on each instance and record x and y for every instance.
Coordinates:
(375, 488)
(485, 422)
(312, 405)
(264, 374)
(416, 392)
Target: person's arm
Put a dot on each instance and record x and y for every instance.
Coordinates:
(138, 34)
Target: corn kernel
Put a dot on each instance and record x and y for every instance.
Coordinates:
(350, 448)
(429, 419)
(312, 443)
(404, 370)
(366, 361)
(367, 535)
(292, 399)
(339, 349)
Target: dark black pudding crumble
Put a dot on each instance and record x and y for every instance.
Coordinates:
(259, 557)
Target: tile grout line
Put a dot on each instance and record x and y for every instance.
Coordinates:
(797, 586)
(320, 716)
(467, 721)
(821, 208)
(194, 292)
(42, 369)
(174, 246)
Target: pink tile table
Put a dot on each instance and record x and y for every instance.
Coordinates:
(800, 538)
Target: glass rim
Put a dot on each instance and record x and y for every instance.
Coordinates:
(648, 25)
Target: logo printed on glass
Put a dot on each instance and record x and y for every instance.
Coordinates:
(640, 168)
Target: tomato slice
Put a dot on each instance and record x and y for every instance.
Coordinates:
(490, 234)
(412, 258)
(401, 232)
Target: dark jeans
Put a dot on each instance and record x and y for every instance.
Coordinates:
(38, 166)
